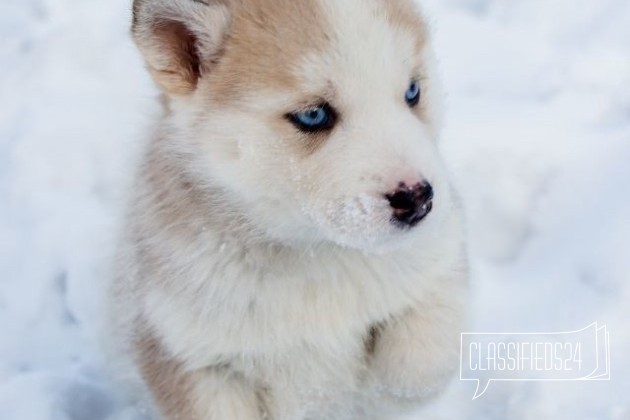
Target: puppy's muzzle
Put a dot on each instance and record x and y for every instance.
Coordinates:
(410, 204)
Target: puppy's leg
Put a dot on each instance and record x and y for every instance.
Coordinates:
(206, 394)
(414, 356)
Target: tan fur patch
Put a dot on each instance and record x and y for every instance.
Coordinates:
(267, 37)
(403, 14)
(170, 385)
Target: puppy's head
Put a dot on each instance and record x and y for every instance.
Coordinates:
(317, 117)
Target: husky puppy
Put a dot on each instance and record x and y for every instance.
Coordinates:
(293, 247)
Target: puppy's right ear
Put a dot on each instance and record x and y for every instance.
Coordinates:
(180, 39)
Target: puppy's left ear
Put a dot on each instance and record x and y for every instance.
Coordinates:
(180, 39)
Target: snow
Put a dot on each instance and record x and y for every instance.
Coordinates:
(537, 136)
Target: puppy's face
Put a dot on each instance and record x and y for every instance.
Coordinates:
(317, 116)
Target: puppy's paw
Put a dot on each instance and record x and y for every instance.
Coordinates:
(413, 360)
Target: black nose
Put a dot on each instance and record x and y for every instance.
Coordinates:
(411, 204)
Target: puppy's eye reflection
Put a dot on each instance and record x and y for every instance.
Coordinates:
(315, 119)
(412, 96)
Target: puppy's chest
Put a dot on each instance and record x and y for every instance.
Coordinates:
(232, 306)
(318, 296)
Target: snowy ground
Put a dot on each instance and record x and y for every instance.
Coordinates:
(538, 135)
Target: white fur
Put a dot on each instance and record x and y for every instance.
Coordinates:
(286, 296)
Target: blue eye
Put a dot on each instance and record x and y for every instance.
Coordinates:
(412, 96)
(318, 118)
